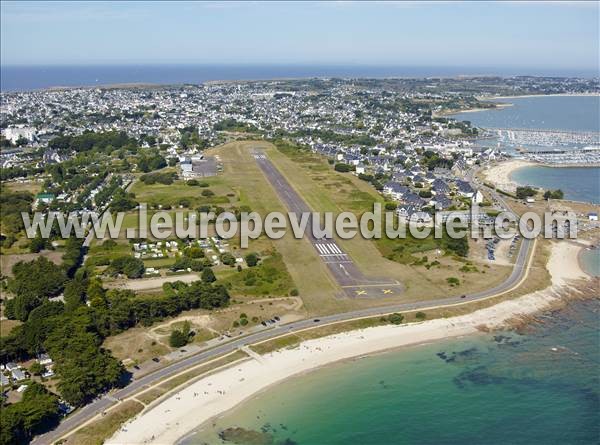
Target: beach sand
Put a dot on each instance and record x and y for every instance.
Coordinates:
(499, 174)
(177, 415)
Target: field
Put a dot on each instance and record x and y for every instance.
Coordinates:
(304, 266)
(32, 187)
(98, 431)
(139, 344)
(421, 266)
(181, 194)
(324, 189)
(8, 261)
(269, 278)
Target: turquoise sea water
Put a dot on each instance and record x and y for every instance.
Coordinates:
(590, 261)
(507, 388)
(570, 113)
(578, 184)
(537, 387)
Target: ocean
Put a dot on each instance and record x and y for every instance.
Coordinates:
(590, 261)
(535, 387)
(568, 113)
(538, 387)
(577, 183)
(24, 78)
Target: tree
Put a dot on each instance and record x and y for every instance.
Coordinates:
(84, 368)
(251, 259)
(208, 276)
(194, 252)
(453, 281)
(127, 265)
(396, 318)
(186, 328)
(177, 339)
(123, 201)
(525, 192)
(342, 168)
(553, 194)
(74, 293)
(31, 283)
(37, 412)
(228, 259)
(37, 368)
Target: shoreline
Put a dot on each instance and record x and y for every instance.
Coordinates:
(502, 105)
(212, 396)
(500, 173)
(580, 261)
(542, 95)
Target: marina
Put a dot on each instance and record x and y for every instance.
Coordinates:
(544, 138)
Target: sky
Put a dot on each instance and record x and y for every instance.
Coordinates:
(561, 35)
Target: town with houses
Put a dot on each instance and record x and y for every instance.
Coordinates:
(111, 147)
(392, 134)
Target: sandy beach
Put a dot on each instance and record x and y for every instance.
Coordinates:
(499, 174)
(177, 415)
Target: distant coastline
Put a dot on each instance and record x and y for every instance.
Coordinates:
(21, 78)
(539, 95)
(502, 105)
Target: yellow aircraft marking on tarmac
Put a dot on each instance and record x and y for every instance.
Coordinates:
(370, 285)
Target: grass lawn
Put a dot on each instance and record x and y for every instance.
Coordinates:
(308, 272)
(141, 343)
(97, 432)
(324, 189)
(179, 193)
(135, 345)
(7, 261)
(8, 325)
(33, 187)
(269, 278)
(159, 263)
(100, 254)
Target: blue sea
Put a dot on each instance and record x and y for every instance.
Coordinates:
(540, 386)
(536, 387)
(570, 113)
(590, 261)
(24, 78)
(577, 183)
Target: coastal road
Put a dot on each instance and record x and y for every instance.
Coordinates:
(98, 406)
(101, 404)
(344, 271)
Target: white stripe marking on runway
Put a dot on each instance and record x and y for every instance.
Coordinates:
(334, 248)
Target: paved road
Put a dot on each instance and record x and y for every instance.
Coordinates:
(350, 279)
(100, 405)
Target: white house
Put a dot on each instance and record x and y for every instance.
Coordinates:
(477, 197)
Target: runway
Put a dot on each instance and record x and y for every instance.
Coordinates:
(342, 268)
